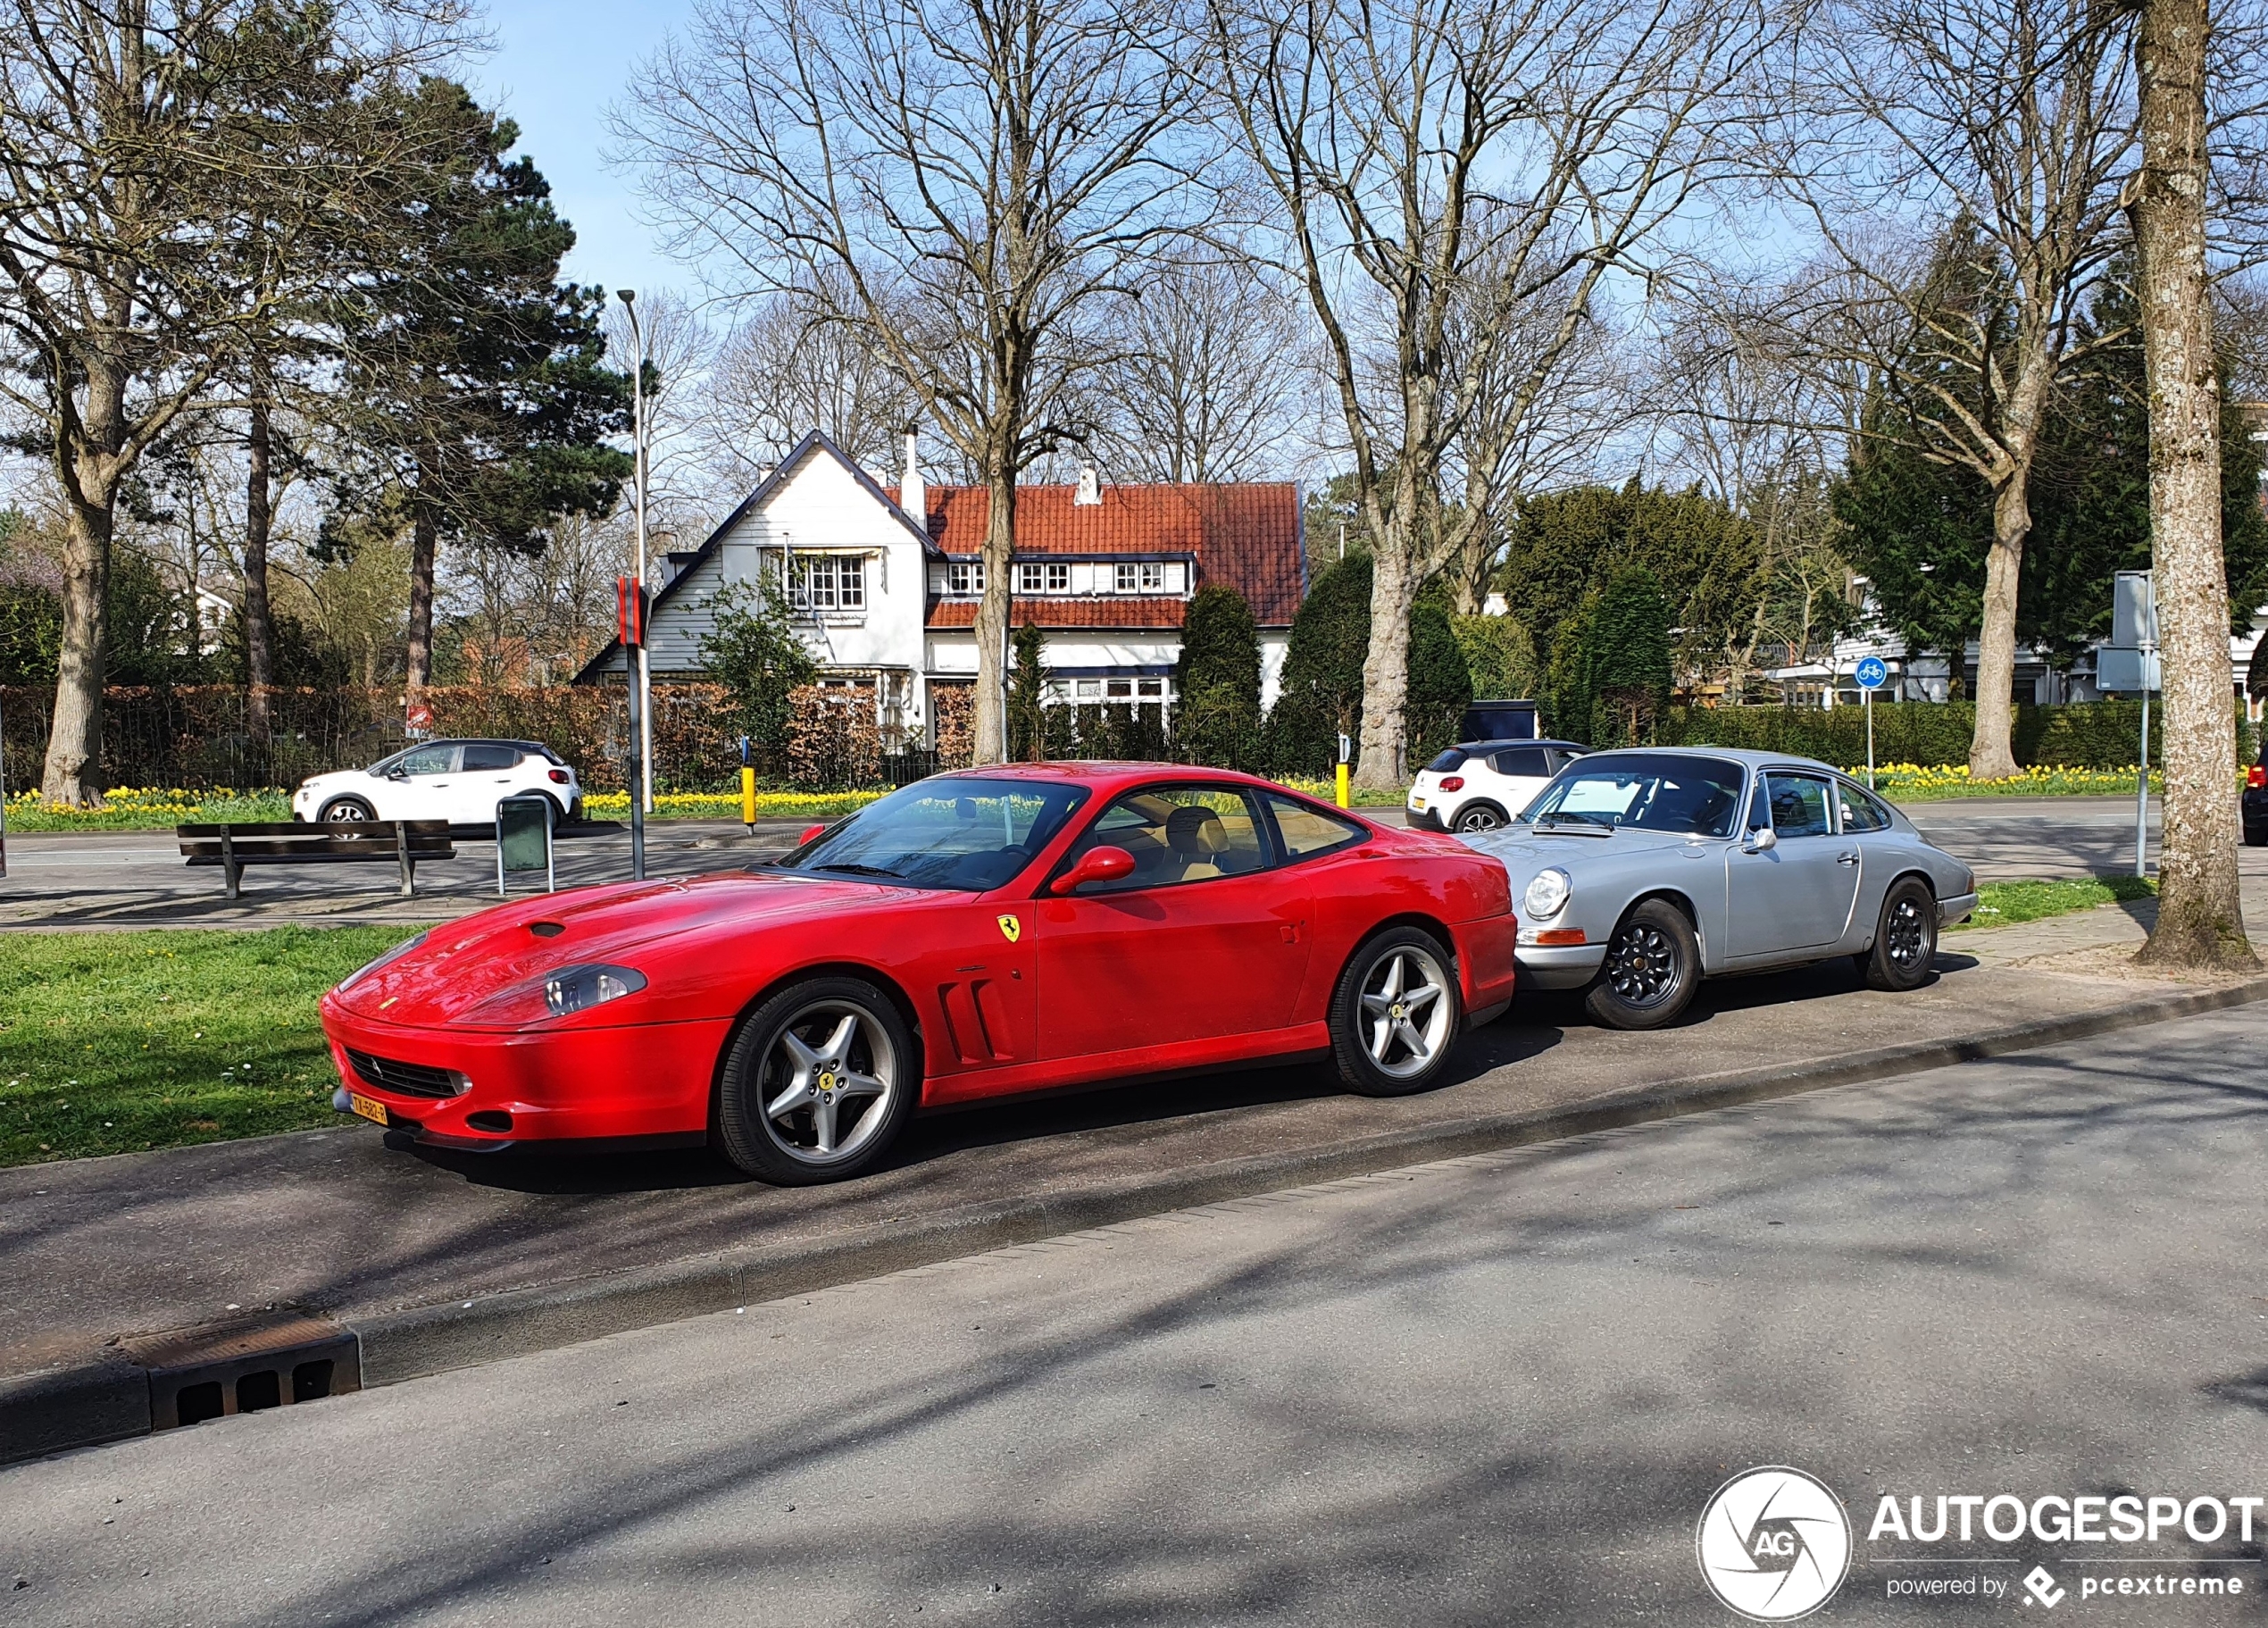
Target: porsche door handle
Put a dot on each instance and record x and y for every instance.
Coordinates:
(1847, 859)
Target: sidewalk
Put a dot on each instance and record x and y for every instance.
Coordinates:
(436, 1261)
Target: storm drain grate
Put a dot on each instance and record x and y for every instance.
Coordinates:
(208, 1373)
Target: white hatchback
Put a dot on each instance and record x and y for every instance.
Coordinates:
(1485, 783)
(460, 781)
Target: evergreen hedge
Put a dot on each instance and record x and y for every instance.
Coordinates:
(2084, 735)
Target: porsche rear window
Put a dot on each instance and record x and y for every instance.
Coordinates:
(960, 832)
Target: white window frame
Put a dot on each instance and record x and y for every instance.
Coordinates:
(1154, 576)
(965, 579)
(827, 584)
(1058, 576)
(1029, 577)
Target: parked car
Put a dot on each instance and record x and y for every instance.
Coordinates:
(1640, 873)
(460, 781)
(1485, 783)
(800, 1011)
(2256, 802)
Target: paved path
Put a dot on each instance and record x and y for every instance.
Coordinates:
(1492, 1391)
(135, 878)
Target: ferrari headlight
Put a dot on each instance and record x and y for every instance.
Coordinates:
(576, 988)
(395, 954)
(1547, 895)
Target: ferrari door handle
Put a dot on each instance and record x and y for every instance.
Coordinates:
(1847, 859)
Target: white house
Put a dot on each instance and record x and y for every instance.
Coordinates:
(883, 597)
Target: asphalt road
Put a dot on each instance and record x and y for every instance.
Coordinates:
(137, 879)
(1495, 1390)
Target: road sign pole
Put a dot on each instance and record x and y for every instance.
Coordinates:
(1869, 694)
(2142, 777)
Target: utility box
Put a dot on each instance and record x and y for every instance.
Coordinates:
(523, 838)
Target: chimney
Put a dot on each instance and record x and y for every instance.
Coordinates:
(910, 495)
(1090, 487)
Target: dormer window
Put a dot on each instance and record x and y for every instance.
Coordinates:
(1148, 577)
(964, 580)
(1044, 576)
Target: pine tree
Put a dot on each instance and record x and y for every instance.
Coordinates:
(1323, 683)
(1027, 696)
(1218, 681)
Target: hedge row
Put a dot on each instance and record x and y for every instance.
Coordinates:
(2083, 735)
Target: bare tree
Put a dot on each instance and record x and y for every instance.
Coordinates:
(785, 371)
(2009, 123)
(680, 352)
(959, 184)
(1445, 161)
(2200, 919)
(1206, 381)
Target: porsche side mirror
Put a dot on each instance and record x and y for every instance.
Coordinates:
(1096, 865)
(810, 831)
(1761, 840)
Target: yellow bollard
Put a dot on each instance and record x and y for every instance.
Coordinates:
(1342, 802)
(748, 800)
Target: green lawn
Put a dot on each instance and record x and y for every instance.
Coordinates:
(115, 1041)
(2000, 904)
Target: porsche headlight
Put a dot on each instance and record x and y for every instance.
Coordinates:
(395, 954)
(575, 989)
(1547, 895)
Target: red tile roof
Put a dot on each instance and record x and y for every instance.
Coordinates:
(1102, 610)
(1245, 536)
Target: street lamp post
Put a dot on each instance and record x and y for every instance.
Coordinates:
(642, 674)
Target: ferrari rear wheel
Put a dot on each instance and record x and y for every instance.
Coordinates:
(1652, 965)
(1906, 939)
(819, 1083)
(1395, 1015)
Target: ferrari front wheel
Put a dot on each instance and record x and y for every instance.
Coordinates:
(819, 1083)
(1394, 1017)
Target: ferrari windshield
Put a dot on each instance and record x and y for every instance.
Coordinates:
(952, 831)
(1693, 796)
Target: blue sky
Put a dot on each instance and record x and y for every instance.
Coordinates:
(557, 66)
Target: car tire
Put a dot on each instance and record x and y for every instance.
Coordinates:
(1652, 966)
(792, 1043)
(1478, 816)
(1383, 1050)
(346, 811)
(2256, 836)
(1905, 937)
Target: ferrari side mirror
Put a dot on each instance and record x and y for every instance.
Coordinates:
(1761, 840)
(1096, 865)
(809, 832)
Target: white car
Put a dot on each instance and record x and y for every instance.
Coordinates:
(1485, 783)
(460, 781)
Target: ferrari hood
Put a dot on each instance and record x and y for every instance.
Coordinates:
(462, 963)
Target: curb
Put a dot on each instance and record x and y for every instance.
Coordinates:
(107, 1400)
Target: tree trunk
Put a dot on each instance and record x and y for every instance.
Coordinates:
(1386, 669)
(1992, 754)
(73, 774)
(2200, 920)
(989, 726)
(259, 627)
(424, 544)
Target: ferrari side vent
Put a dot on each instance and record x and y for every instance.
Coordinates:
(224, 1368)
(409, 1079)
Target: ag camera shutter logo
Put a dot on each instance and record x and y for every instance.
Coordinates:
(1774, 1544)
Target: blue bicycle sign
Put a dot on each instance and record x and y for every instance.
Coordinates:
(1873, 672)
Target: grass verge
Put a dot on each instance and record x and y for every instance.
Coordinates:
(2002, 904)
(111, 1042)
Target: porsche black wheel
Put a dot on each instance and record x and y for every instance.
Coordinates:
(1653, 966)
(1905, 937)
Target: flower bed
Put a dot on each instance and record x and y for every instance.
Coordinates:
(1925, 782)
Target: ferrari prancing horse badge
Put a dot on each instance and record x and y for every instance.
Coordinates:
(1011, 929)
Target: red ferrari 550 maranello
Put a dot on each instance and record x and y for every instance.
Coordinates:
(970, 936)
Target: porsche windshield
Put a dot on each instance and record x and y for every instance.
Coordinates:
(954, 831)
(1693, 796)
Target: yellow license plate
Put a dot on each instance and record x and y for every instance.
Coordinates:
(369, 1107)
(1417, 805)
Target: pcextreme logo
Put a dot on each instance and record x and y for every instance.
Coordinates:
(1774, 1544)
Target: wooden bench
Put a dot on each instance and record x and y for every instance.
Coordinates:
(406, 842)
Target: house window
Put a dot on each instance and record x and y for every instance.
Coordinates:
(827, 582)
(1028, 579)
(1148, 578)
(964, 580)
(1059, 579)
(1043, 577)
(1090, 690)
(1149, 690)
(1118, 689)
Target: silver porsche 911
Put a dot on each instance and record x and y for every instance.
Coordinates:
(1638, 873)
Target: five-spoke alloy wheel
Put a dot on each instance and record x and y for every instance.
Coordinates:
(1395, 1014)
(1905, 938)
(818, 1084)
(1652, 963)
